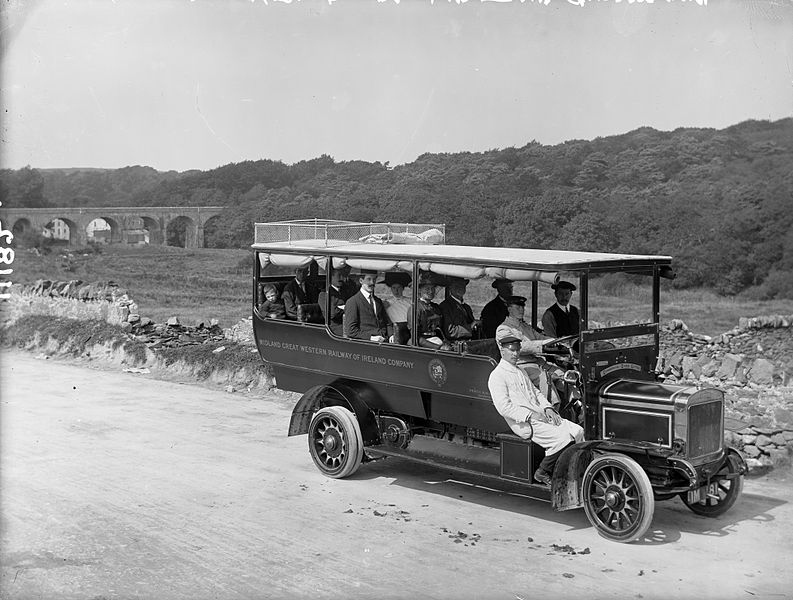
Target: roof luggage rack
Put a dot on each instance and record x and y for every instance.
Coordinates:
(329, 232)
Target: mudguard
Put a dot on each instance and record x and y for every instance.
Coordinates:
(568, 474)
(569, 471)
(347, 393)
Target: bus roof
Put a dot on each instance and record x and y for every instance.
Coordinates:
(518, 258)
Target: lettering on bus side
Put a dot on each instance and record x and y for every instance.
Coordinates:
(350, 356)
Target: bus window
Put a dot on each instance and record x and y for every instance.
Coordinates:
(293, 289)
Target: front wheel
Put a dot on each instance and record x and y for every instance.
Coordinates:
(335, 442)
(722, 493)
(618, 498)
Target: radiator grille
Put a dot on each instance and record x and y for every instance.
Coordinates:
(704, 429)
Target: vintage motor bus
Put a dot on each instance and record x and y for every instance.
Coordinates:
(646, 441)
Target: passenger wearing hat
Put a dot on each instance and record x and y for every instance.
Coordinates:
(561, 318)
(495, 311)
(429, 321)
(365, 317)
(334, 314)
(298, 291)
(526, 411)
(397, 306)
(458, 318)
(349, 285)
(545, 376)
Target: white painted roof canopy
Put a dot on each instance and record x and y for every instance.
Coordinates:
(395, 246)
(477, 256)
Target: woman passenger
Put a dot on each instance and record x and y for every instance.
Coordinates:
(397, 306)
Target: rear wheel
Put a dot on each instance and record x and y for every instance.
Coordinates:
(721, 494)
(335, 442)
(618, 498)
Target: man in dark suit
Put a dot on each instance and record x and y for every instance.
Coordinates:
(365, 317)
(334, 314)
(349, 285)
(495, 311)
(298, 291)
(458, 318)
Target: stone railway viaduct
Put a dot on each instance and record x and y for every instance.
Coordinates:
(122, 221)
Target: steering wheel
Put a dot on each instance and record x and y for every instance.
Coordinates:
(561, 340)
(560, 343)
(562, 348)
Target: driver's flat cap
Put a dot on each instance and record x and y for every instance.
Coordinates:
(504, 336)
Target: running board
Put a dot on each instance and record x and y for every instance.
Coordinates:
(458, 462)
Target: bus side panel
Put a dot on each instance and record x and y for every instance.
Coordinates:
(312, 348)
(469, 412)
(380, 397)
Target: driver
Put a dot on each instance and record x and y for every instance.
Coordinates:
(524, 409)
(545, 376)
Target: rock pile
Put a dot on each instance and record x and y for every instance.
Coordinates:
(172, 334)
(119, 309)
(757, 350)
(241, 332)
(753, 364)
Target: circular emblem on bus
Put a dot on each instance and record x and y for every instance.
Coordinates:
(437, 371)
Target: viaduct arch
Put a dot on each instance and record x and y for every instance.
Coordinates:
(123, 221)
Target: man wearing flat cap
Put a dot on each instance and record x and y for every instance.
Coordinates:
(458, 318)
(495, 311)
(365, 317)
(561, 318)
(527, 413)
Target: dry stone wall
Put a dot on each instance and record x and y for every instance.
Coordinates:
(753, 364)
(109, 302)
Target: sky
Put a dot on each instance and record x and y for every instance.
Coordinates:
(181, 84)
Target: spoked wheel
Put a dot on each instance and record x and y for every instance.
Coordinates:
(721, 494)
(618, 498)
(335, 442)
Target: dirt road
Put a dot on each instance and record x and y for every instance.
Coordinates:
(117, 485)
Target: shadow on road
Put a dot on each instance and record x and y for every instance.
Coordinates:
(479, 490)
(672, 517)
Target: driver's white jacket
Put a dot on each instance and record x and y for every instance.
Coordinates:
(530, 341)
(522, 406)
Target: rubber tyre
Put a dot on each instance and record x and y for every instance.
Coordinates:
(618, 498)
(728, 490)
(335, 442)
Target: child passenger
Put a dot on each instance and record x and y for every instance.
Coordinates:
(272, 307)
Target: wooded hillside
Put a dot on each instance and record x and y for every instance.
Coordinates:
(719, 201)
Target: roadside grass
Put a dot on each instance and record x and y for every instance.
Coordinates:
(197, 285)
